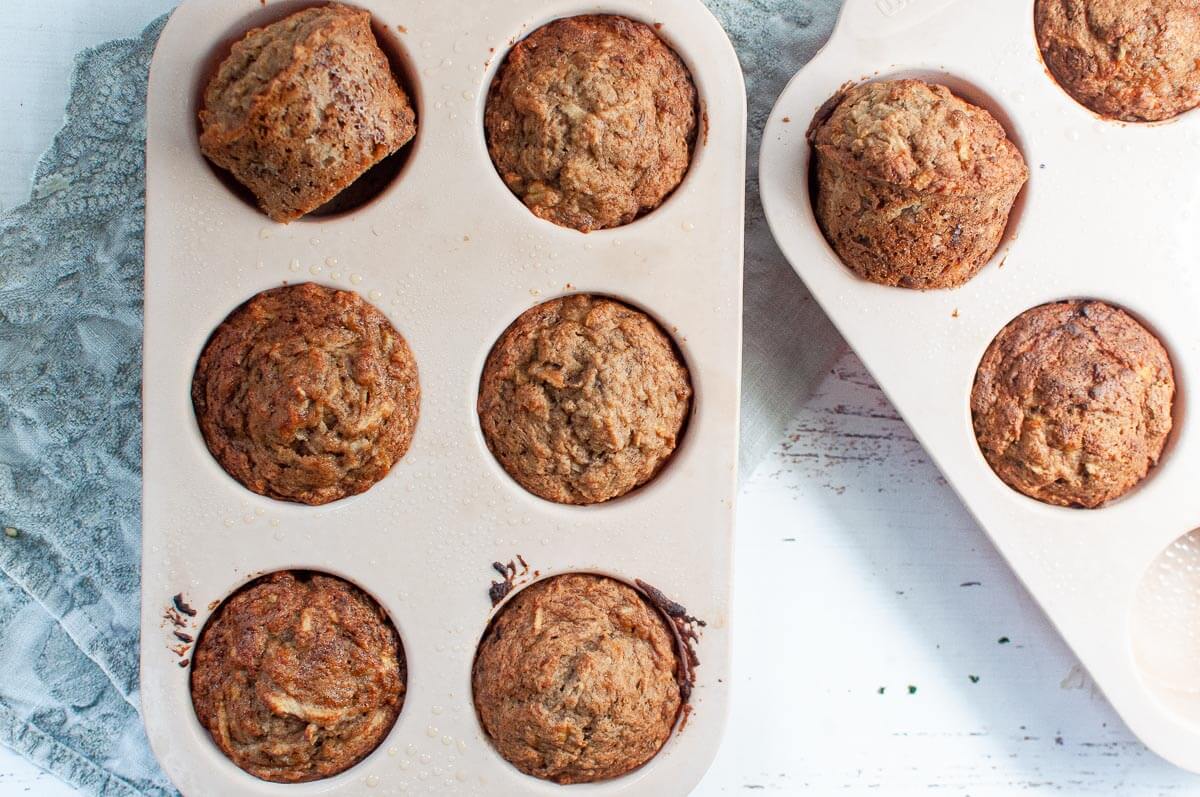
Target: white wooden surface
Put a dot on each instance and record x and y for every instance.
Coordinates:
(857, 570)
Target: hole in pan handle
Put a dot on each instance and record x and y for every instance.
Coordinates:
(877, 19)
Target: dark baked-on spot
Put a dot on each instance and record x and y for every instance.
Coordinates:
(1072, 403)
(575, 679)
(298, 676)
(306, 393)
(913, 185)
(591, 121)
(303, 107)
(1134, 60)
(583, 399)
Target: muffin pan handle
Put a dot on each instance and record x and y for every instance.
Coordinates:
(879, 19)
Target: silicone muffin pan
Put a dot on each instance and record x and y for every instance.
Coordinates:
(1110, 212)
(452, 257)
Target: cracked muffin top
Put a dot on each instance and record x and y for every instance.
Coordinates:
(591, 121)
(298, 676)
(1072, 403)
(917, 135)
(301, 108)
(575, 679)
(307, 394)
(1133, 60)
(583, 399)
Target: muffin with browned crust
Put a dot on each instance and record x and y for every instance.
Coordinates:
(1134, 60)
(1072, 403)
(913, 184)
(300, 109)
(298, 676)
(591, 121)
(583, 399)
(575, 679)
(307, 394)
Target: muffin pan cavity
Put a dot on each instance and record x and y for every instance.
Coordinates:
(1107, 216)
(451, 259)
(373, 182)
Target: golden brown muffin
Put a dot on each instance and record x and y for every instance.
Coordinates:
(583, 399)
(575, 680)
(591, 121)
(307, 394)
(1072, 403)
(1134, 60)
(913, 184)
(301, 108)
(298, 676)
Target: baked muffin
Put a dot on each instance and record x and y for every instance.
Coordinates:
(303, 107)
(913, 184)
(298, 676)
(1134, 60)
(575, 680)
(307, 394)
(591, 121)
(1072, 403)
(583, 399)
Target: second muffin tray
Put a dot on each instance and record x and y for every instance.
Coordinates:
(1110, 212)
(452, 258)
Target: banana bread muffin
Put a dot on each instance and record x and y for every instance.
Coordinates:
(583, 399)
(913, 184)
(575, 680)
(307, 394)
(591, 121)
(1134, 60)
(1072, 403)
(303, 107)
(298, 676)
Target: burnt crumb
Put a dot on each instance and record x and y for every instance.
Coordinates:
(180, 650)
(174, 618)
(182, 606)
(787, 120)
(182, 637)
(184, 662)
(212, 606)
(402, 29)
(499, 590)
(684, 626)
(658, 26)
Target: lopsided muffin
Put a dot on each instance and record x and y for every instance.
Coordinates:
(298, 676)
(583, 399)
(306, 393)
(576, 680)
(302, 108)
(1134, 60)
(1072, 403)
(913, 184)
(591, 121)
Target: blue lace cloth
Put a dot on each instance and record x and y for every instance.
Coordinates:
(70, 401)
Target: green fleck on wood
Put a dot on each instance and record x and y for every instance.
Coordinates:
(882, 689)
(974, 678)
(912, 690)
(1003, 640)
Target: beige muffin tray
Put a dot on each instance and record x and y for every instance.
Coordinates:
(1111, 211)
(452, 258)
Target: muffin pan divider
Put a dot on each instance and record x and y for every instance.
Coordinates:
(452, 258)
(1110, 212)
